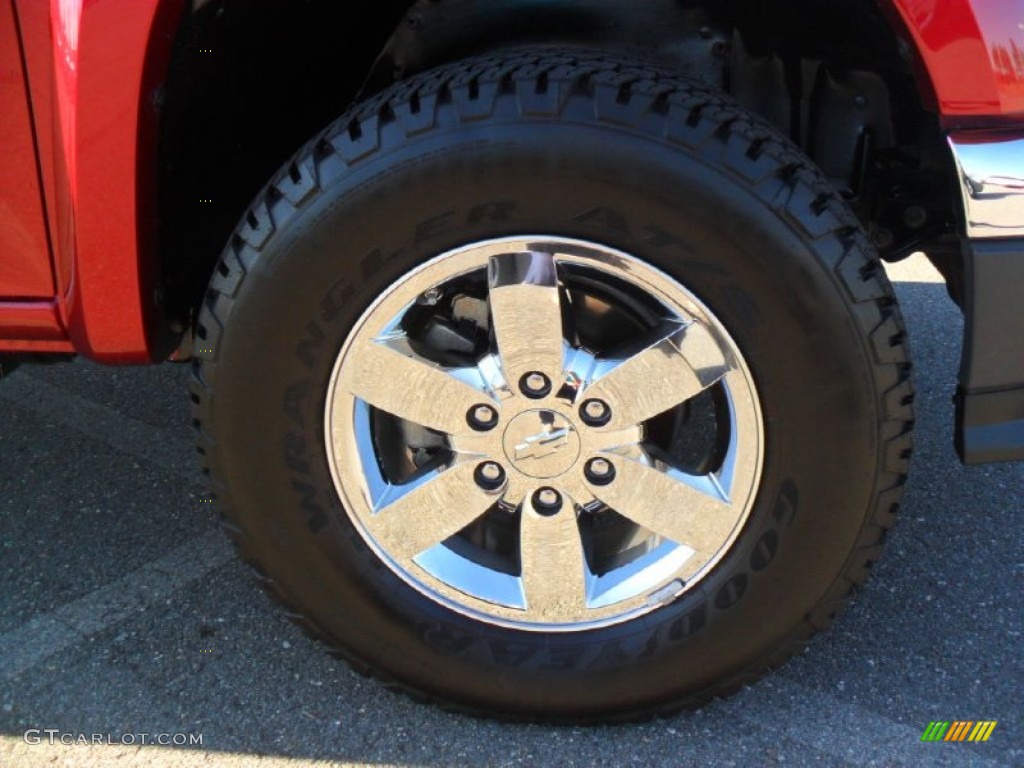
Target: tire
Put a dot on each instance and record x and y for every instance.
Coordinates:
(617, 163)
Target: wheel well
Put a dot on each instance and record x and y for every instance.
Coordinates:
(251, 80)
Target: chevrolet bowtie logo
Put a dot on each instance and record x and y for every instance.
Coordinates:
(542, 444)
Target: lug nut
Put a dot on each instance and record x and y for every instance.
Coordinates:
(599, 471)
(547, 501)
(535, 385)
(482, 418)
(595, 413)
(489, 475)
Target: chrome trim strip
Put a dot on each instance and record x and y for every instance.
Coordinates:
(990, 168)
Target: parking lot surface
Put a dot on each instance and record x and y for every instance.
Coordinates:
(125, 612)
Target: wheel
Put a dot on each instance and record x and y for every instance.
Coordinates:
(552, 386)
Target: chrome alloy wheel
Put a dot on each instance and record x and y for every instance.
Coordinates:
(544, 434)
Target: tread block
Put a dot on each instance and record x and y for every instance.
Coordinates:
(801, 207)
(887, 340)
(610, 107)
(694, 120)
(417, 114)
(358, 139)
(299, 182)
(540, 98)
(897, 403)
(474, 100)
(897, 453)
(860, 287)
(258, 225)
(744, 154)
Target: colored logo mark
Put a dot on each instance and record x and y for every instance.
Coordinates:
(958, 730)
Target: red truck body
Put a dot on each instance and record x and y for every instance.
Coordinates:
(972, 52)
(77, 86)
(80, 284)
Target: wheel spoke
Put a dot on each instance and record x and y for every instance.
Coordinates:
(687, 509)
(526, 313)
(682, 363)
(385, 374)
(409, 519)
(554, 568)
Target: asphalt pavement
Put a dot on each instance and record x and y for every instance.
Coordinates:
(124, 612)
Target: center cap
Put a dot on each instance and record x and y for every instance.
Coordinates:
(541, 443)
